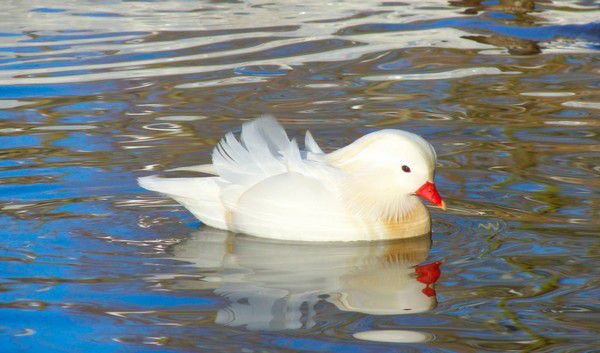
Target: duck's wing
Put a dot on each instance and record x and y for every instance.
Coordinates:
(260, 153)
(263, 150)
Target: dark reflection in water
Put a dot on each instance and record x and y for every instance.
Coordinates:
(515, 46)
(272, 285)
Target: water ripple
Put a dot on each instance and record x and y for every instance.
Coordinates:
(93, 96)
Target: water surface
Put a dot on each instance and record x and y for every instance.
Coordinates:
(95, 94)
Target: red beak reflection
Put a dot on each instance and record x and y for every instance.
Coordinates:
(428, 274)
(430, 193)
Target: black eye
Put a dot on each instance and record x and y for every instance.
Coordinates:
(406, 168)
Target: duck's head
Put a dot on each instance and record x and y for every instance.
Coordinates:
(391, 166)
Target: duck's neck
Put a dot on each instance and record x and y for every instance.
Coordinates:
(381, 205)
(390, 217)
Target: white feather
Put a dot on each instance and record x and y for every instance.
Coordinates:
(311, 145)
(202, 168)
(201, 196)
(256, 156)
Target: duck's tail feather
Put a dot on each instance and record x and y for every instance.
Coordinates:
(202, 168)
(199, 195)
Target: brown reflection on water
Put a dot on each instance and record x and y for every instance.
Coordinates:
(515, 46)
(517, 7)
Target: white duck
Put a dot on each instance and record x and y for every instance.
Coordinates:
(264, 185)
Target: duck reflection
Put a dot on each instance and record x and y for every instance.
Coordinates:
(274, 285)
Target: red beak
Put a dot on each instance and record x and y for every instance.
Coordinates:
(430, 193)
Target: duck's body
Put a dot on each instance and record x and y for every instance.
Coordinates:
(266, 186)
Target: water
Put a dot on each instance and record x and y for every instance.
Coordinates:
(95, 94)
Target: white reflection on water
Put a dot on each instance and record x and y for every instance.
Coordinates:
(393, 336)
(223, 82)
(11, 103)
(273, 285)
(443, 38)
(181, 15)
(458, 73)
(548, 94)
(579, 104)
(133, 32)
